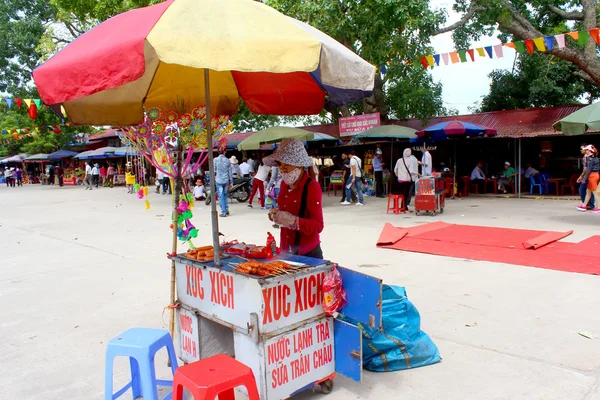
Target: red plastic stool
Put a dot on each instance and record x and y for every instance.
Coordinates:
(214, 376)
(397, 202)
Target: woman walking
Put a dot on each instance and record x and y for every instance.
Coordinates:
(407, 172)
(258, 184)
(591, 175)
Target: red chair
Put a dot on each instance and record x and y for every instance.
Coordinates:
(396, 201)
(571, 186)
(465, 188)
(336, 180)
(214, 376)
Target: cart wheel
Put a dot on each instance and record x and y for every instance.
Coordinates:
(433, 213)
(441, 210)
(327, 386)
(417, 212)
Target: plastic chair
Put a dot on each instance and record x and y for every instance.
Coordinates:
(571, 186)
(465, 188)
(335, 181)
(396, 203)
(214, 376)
(533, 185)
(140, 345)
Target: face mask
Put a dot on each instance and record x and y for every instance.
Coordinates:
(291, 177)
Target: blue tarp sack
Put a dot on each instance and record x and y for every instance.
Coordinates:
(401, 344)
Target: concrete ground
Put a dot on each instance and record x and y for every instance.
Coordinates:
(79, 267)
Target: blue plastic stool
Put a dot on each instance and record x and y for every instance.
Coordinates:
(140, 345)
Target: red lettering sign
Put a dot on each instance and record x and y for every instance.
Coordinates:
(194, 279)
(221, 291)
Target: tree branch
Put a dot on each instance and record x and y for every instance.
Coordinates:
(462, 22)
(570, 15)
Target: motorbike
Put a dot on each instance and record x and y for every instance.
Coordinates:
(241, 190)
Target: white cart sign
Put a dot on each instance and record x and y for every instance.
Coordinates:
(299, 358)
(189, 343)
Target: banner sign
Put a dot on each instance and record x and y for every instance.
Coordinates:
(350, 126)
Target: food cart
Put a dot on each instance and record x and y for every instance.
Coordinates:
(275, 325)
(430, 195)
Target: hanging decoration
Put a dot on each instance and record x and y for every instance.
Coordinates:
(542, 44)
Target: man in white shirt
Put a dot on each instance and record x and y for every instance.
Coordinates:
(252, 164)
(478, 177)
(530, 171)
(355, 179)
(96, 175)
(87, 179)
(159, 180)
(426, 163)
(245, 169)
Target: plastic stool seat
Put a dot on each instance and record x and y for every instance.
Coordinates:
(214, 376)
(396, 203)
(141, 346)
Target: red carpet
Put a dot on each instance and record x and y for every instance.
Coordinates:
(511, 246)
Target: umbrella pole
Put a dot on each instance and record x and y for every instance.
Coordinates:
(454, 175)
(211, 169)
(519, 196)
(176, 193)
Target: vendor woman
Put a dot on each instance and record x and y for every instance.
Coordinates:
(300, 212)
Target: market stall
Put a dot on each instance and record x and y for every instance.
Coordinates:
(275, 324)
(71, 173)
(181, 93)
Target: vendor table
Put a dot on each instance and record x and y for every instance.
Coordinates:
(274, 325)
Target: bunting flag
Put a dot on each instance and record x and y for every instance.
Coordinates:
(541, 44)
(583, 37)
(19, 102)
(471, 54)
(549, 42)
(529, 45)
(445, 58)
(25, 131)
(430, 60)
(520, 46)
(37, 102)
(27, 102)
(8, 102)
(594, 33)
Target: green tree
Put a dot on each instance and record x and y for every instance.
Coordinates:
(519, 20)
(536, 81)
(385, 33)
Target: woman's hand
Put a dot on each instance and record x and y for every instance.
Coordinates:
(272, 212)
(285, 219)
(579, 179)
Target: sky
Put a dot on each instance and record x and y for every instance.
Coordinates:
(465, 83)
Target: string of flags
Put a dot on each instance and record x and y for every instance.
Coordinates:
(31, 105)
(541, 44)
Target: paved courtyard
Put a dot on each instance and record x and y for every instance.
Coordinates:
(79, 267)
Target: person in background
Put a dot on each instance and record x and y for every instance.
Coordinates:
(102, 174)
(51, 174)
(19, 176)
(508, 177)
(378, 172)
(8, 175)
(478, 177)
(354, 180)
(300, 211)
(245, 168)
(426, 162)
(583, 186)
(96, 175)
(199, 193)
(591, 176)
(60, 173)
(252, 163)
(129, 179)
(87, 178)
(166, 184)
(110, 176)
(258, 184)
(530, 171)
(223, 181)
(159, 180)
(236, 173)
(407, 172)
(273, 189)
